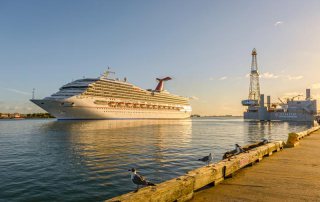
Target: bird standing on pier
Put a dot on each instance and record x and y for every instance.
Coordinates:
(238, 149)
(139, 180)
(265, 140)
(206, 159)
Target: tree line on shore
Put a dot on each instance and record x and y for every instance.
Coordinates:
(25, 116)
(39, 115)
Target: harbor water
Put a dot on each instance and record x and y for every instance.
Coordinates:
(50, 160)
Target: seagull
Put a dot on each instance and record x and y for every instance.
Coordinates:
(138, 179)
(265, 140)
(238, 149)
(206, 159)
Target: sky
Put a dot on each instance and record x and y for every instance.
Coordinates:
(205, 46)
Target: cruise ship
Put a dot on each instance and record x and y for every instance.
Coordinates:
(105, 98)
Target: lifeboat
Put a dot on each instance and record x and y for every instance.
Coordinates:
(121, 104)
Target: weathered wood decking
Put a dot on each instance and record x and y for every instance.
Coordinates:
(292, 175)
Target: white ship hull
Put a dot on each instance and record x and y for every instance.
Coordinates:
(85, 108)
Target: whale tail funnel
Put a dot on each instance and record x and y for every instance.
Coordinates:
(160, 84)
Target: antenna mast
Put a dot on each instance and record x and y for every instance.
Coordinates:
(106, 73)
(33, 90)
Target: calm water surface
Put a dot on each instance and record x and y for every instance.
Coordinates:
(49, 160)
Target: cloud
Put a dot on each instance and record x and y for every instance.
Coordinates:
(17, 91)
(278, 23)
(220, 79)
(268, 75)
(291, 94)
(294, 77)
(194, 98)
(315, 86)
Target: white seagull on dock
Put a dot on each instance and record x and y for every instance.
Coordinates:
(138, 179)
(206, 159)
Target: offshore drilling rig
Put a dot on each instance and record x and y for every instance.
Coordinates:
(291, 110)
(254, 90)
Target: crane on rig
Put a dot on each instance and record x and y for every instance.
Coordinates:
(292, 98)
(281, 101)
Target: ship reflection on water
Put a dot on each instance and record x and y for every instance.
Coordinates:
(124, 138)
(272, 130)
(89, 160)
(106, 149)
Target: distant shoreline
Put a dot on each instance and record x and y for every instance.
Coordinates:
(18, 116)
(208, 116)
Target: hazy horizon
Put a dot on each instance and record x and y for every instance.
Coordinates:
(204, 45)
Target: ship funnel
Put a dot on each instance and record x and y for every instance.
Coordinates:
(160, 84)
(308, 94)
(261, 100)
(268, 101)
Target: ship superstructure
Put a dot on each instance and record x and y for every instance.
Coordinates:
(289, 110)
(104, 98)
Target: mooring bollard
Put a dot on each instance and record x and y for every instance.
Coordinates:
(293, 140)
